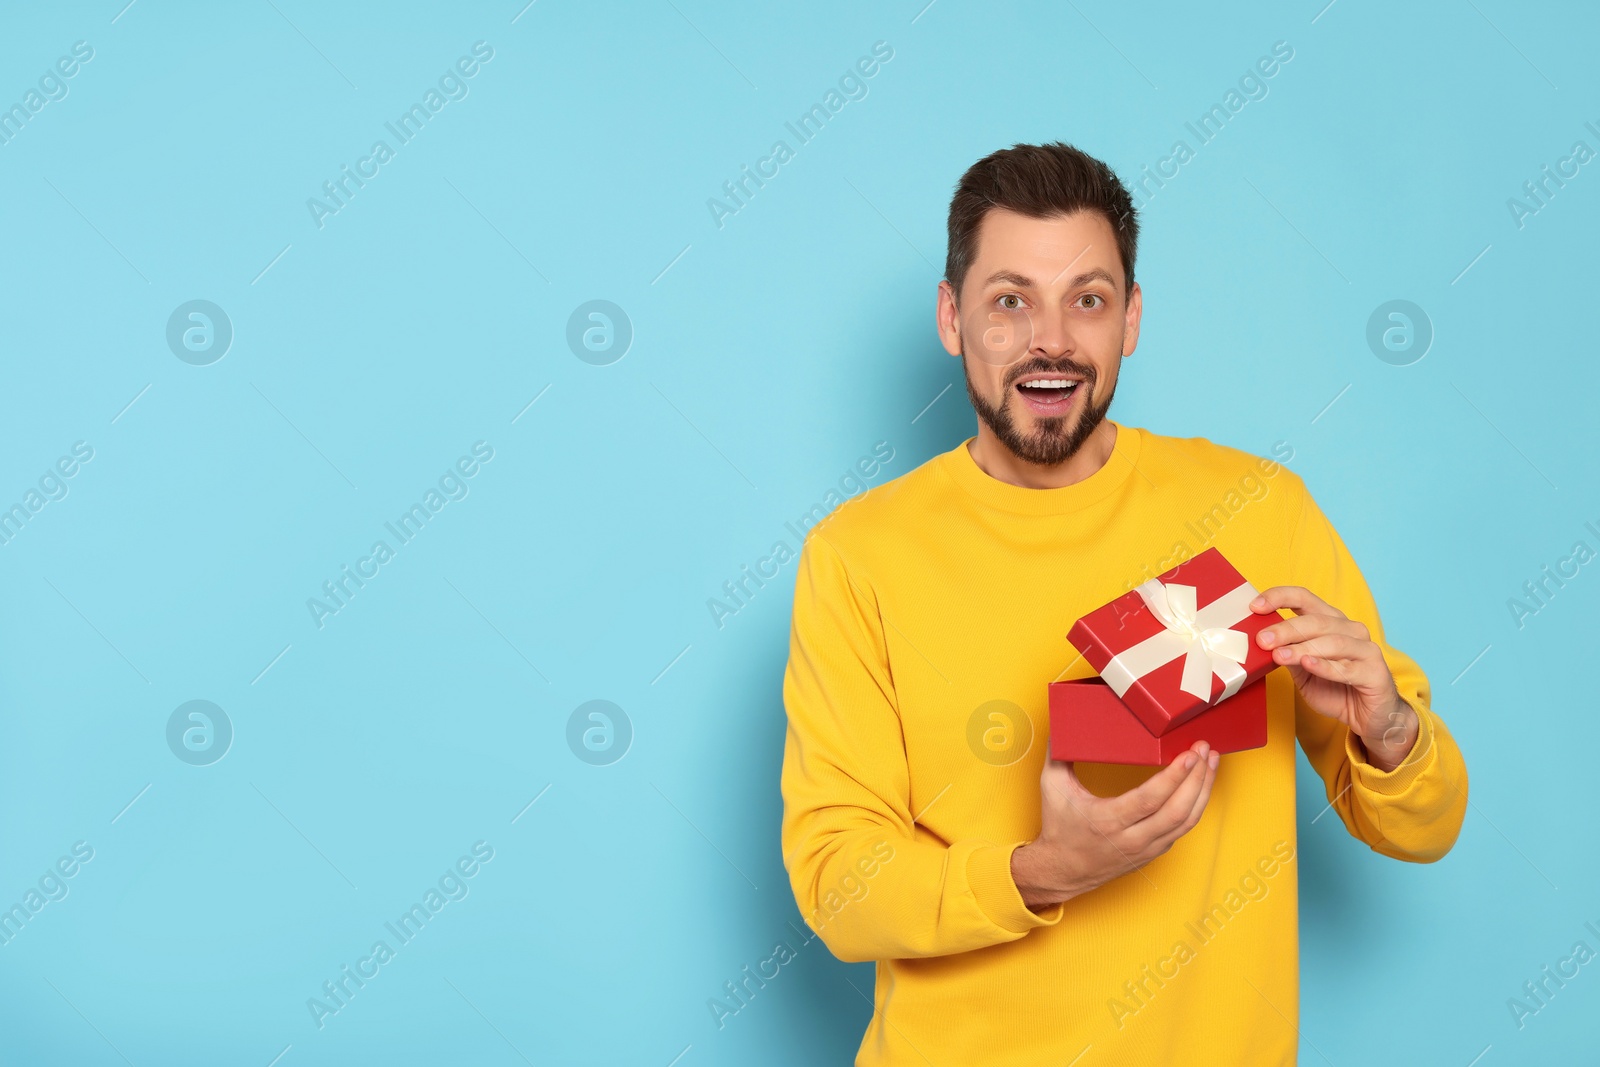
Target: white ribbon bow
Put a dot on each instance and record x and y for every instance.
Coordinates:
(1202, 636)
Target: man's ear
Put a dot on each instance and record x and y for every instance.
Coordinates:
(947, 319)
(1135, 310)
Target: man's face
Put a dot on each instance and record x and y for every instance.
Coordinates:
(1042, 327)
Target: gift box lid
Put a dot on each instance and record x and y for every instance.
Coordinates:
(1179, 643)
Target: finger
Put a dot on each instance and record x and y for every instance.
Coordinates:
(1296, 598)
(1303, 627)
(1145, 799)
(1177, 808)
(1059, 779)
(1347, 672)
(1204, 798)
(1198, 808)
(1357, 657)
(1060, 773)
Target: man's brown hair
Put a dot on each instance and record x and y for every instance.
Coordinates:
(1039, 181)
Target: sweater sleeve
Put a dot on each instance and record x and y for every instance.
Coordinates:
(1413, 812)
(865, 880)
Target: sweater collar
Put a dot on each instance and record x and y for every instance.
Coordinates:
(1004, 496)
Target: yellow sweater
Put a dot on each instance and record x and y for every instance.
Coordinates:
(920, 603)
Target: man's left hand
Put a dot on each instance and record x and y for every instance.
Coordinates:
(1339, 671)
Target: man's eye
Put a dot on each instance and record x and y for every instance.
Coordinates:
(1098, 300)
(1011, 302)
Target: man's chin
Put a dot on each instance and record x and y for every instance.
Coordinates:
(1047, 446)
(1049, 442)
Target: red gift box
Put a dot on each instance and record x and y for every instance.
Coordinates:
(1089, 723)
(1178, 644)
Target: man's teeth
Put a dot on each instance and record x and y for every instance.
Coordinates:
(1050, 383)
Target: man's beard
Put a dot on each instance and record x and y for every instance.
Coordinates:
(1056, 439)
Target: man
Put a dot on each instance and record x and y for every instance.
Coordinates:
(1021, 910)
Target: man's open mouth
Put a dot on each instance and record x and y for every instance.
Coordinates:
(1048, 395)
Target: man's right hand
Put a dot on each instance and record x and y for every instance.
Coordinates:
(1085, 841)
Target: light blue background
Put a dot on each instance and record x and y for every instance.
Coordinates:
(777, 349)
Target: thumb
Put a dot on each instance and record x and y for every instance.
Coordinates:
(1060, 779)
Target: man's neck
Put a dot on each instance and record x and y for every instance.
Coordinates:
(1000, 463)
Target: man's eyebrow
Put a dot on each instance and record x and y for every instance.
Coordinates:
(1097, 274)
(1010, 277)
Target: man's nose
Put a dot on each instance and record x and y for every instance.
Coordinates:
(1052, 333)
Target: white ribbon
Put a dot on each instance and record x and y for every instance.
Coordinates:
(1203, 637)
